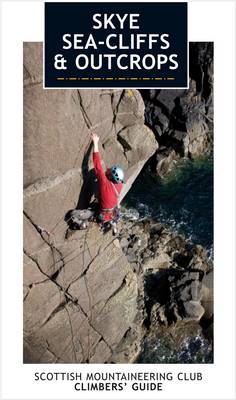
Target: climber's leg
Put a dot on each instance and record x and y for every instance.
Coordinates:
(78, 219)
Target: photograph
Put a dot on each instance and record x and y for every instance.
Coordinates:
(118, 203)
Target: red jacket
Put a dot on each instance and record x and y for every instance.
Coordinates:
(107, 195)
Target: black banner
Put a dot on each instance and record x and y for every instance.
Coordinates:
(93, 45)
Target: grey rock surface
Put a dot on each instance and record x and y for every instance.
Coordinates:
(182, 119)
(175, 277)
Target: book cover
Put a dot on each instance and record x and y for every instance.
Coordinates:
(118, 149)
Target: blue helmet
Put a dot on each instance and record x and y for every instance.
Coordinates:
(117, 174)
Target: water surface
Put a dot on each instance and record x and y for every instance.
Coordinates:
(183, 200)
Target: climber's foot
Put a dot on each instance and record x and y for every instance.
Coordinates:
(83, 225)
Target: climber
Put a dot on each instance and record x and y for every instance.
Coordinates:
(110, 185)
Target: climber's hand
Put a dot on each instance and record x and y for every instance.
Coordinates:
(95, 138)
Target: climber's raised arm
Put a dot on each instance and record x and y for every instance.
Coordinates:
(96, 158)
(95, 139)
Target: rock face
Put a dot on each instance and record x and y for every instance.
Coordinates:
(80, 293)
(182, 120)
(175, 285)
